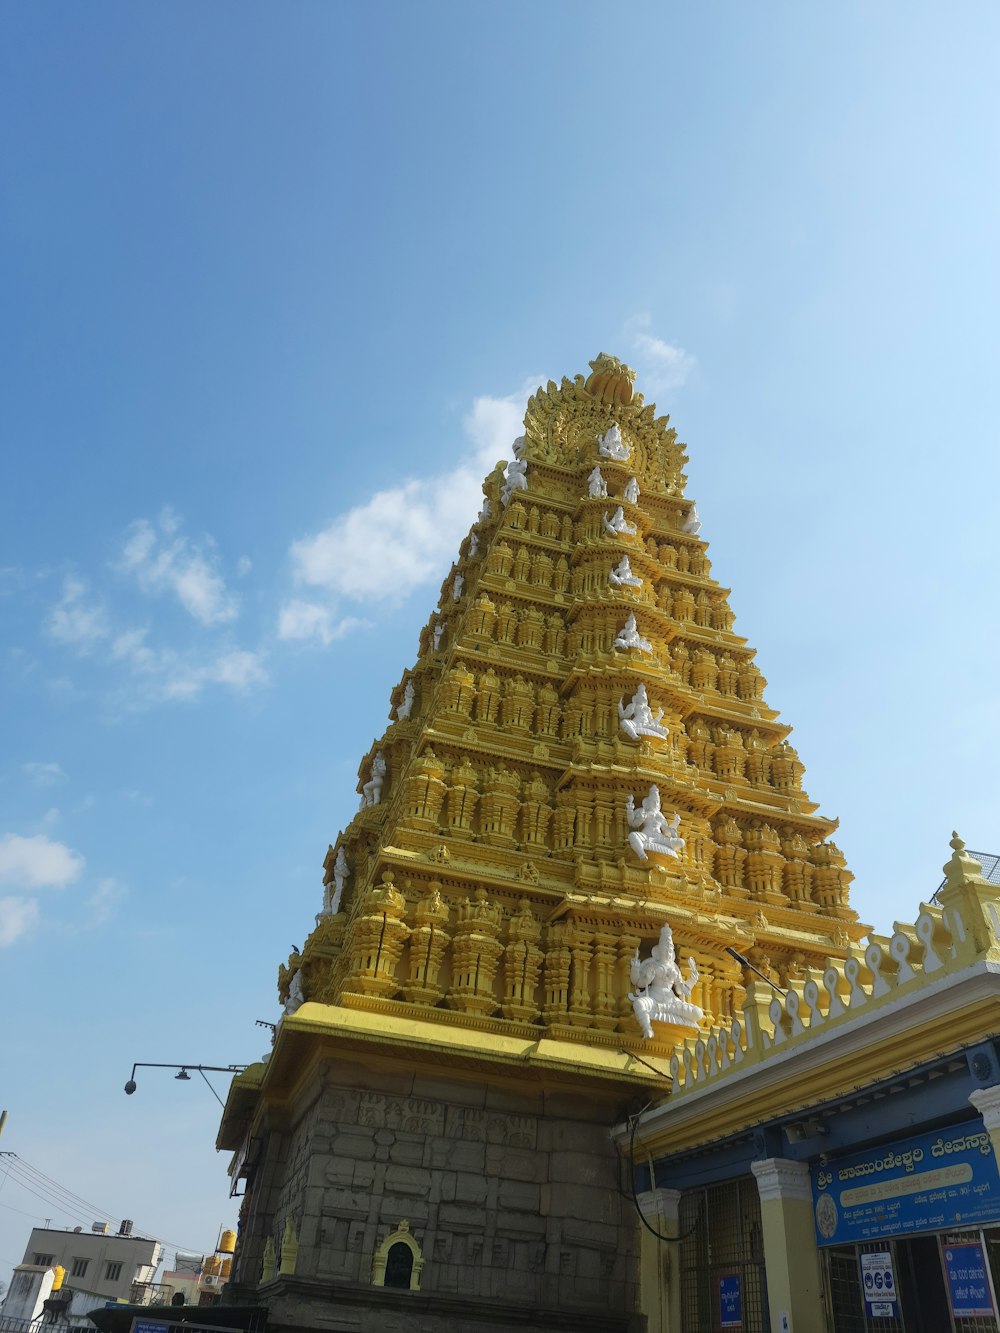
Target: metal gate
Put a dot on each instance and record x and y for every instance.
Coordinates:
(721, 1241)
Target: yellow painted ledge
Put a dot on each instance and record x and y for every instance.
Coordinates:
(374, 1030)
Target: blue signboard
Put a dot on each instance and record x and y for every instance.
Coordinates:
(936, 1182)
(149, 1326)
(968, 1283)
(730, 1301)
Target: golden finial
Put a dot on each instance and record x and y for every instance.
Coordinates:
(961, 868)
(611, 381)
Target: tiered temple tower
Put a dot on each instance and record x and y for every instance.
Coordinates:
(580, 754)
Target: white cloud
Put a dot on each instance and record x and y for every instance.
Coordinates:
(17, 916)
(102, 902)
(43, 775)
(161, 559)
(422, 521)
(238, 669)
(38, 862)
(307, 620)
(664, 366)
(74, 620)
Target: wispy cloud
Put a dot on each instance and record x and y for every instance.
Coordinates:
(663, 366)
(37, 863)
(17, 916)
(103, 902)
(159, 559)
(424, 519)
(43, 775)
(163, 560)
(76, 620)
(308, 620)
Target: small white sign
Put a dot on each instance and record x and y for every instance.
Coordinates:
(878, 1285)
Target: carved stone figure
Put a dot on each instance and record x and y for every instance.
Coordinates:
(611, 445)
(518, 447)
(636, 717)
(515, 479)
(458, 583)
(405, 706)
(473, 545)
(371, 792)
(622, 577)
(618, 524)
(653, 831)
(438, 634)
(341, 872)
(597, 487)
(629, 637)
(296, 997)
(692, 524)
(661, 994)
(631, 491)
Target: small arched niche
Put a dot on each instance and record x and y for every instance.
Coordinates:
(398, 1261)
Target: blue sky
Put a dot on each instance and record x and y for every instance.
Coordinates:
(276, 283)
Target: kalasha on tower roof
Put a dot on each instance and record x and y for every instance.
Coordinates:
(580, 754)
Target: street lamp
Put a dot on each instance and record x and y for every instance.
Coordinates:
(183, 1074)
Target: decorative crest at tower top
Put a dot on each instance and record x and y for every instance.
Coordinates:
(611, 381)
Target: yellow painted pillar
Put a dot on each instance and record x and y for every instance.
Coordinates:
(791, 1257)
(659, 1261)
(987, 1103)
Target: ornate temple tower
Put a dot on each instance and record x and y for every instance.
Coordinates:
(580, 755)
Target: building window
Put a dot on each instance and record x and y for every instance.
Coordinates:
(79, 1268)
(43, 1260)
(113, 1272)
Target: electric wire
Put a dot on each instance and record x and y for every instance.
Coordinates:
(71, 1205)
(674, 1240)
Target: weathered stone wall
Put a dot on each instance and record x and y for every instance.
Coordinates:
(510, 1191)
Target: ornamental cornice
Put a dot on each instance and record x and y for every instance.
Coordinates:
(778, 1178)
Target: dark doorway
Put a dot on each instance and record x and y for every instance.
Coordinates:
(398, 1265)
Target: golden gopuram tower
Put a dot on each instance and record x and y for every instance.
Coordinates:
(580, 755)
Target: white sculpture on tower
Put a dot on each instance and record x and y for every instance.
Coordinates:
(486, 512)
(405, 708)
(438, 634)
(371, 792)
(636, 717)
(631, 491)
(692, 524)
(295, 998)
(332, 895)
(629, 637)
(518, 447)
(458, 583)
(597, 487)
(661, 994)
(611, 445)
(515, 479)
(622, 577)
(618, 524)
(473, 545)
(654, 832)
